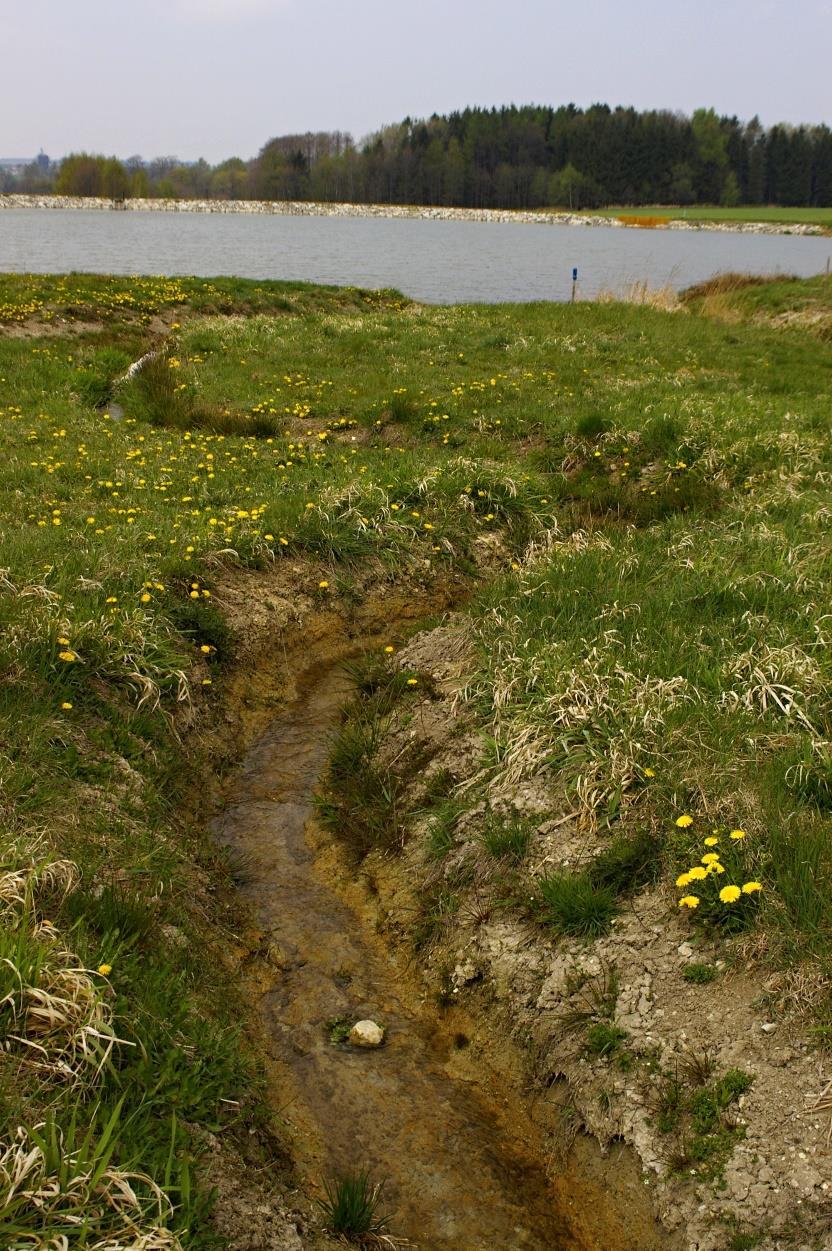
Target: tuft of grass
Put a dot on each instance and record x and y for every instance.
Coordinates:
(442, 826)
(699, 974)
(604, 1039)
(351, 1205)
(630, 863)
(507, 839)
(359, 802)
(572, 904)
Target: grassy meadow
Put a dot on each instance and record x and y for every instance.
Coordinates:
(774, 214)
(655, 492)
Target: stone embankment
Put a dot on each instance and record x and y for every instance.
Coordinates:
(312, 208)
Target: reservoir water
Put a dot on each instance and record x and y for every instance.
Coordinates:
(436, 261)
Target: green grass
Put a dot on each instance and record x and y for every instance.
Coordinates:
(351, 1206)
(654, 491)
(571, 904)
(805, 304)
(604, 1039)
(507, 839)
(716, 213)
(701, 1115)
(700, 974)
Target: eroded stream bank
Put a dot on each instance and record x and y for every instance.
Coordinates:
(467, 1161)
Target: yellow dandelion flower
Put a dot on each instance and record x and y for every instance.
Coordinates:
(66, 704)
(730, 894)
(711, 842)
(689, 901)
(716, 867)
(750, 887)
(684, 821)
(412, 681)
(737, 834)
(144, 598)
(323, 584)
(710, 858)
(697, 873)
(206, 649)
(64, 642)
(269, 538)
(648, 773)
(104, 969)
(206, 681)
(67, 656)
(389, 649)
(684, 879)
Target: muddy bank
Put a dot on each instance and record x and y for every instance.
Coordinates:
(472, 1159)
(310, 208)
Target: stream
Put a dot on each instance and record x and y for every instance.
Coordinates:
(464, 1152)
(456, 1176)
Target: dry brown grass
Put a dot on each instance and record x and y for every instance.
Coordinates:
(56, 1017)
(726, 284)
(665, 298)
(112, 1209)
(715, 297)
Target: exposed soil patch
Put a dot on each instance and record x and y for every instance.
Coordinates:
(56, 328)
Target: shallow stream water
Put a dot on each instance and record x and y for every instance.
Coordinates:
(461, 1172)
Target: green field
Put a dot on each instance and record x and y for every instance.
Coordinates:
(716, 213)
(655, 632)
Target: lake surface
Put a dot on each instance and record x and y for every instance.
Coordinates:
(436, 261)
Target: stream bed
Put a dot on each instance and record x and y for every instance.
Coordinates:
(463, 1160)
(454, 1176)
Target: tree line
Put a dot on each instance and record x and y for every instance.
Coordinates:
(511, 157)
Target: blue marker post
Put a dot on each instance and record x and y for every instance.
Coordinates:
(574, 282)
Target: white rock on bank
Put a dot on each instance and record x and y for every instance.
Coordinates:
(366, 1034)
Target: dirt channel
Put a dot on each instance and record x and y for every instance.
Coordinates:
(439, 1112)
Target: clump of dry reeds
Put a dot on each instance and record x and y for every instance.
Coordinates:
(53, 1012)
(665, 298)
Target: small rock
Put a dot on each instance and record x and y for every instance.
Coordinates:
(275, 956)
(174, 936)
(685, 950)
(366, 1034)
(464, 973)
(768, 1027)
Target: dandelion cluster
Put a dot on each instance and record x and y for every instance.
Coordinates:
(705, 875)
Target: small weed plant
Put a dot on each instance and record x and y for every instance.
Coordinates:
(351, 1206)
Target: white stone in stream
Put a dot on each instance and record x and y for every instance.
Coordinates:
(366, 1034)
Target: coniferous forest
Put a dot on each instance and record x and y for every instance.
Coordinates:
(511, 157)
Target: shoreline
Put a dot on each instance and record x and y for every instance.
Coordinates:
(314, 208)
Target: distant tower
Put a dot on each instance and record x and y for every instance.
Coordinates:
(42, 161)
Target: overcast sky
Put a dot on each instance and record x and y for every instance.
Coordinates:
(216, 78)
